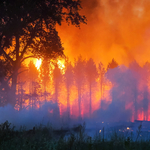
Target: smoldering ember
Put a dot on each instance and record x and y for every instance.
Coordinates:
(72, 62)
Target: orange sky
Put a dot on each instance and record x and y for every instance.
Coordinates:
(117, 29)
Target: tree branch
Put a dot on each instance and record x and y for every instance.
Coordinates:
(22, 71)
(30, 39)
(6, 55)
(27, 58)
(24, 49)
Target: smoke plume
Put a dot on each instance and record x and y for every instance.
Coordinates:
(117, 29)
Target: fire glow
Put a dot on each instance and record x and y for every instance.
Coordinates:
(124, 97)
(111, 92)
(38, 63)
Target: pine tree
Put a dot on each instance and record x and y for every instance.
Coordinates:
(68, 77)
(91, 74)
(79, 74)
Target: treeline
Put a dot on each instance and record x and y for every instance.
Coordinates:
(83, 88)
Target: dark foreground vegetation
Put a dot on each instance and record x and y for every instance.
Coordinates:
(45, 138)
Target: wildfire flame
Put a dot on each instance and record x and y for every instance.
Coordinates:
(61, 64)
(38, 63)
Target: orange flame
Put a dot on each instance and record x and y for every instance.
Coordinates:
(38, 63)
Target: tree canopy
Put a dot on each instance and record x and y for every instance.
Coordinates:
(28, 29)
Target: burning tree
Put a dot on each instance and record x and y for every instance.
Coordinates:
(45, 75)
(79, 73)
(4, 86)
(68, 77)
(113, 64)
(91, 74)
(28, 26)
(102, 77)
(57, 78)
(33, 82)
(145, 81)
(135, 69)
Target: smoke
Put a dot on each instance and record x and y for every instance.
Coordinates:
(30, 118)
(128, 100)
(117, 29)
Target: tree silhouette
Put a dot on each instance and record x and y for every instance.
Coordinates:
(28, 26)
(91, 74)
(145, 103)
(79, 74)
(136, 71)
(4, 86)
(68, 77)
(113, 64)
(145, 80)
(21, 87)
(112, 73)
(33, 85)
(45, 75)
(57, 78)
(102, 77)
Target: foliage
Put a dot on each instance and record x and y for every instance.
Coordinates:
(41, 138)
(113, 64)
(28, 29)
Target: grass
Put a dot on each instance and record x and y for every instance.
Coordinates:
(45, 138)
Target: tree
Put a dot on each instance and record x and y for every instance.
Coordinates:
(145, 81)
(57, 77)
(145, 103)
(45, 75)
(113, 64)
(21, 90)
(68, 77)
(91, 74)
(101, 75)
(33, 78)
(4, 86)
(79, 74)
(28, 29)
(136, 71)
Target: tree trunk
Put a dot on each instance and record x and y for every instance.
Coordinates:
(45, 93)
(56, 111)
(56, 92)
(68, 103)
(12, 95)
(135, 106)
(79, 101)
(101, 87)
(16, 65)
(135, 113)
(90, 110)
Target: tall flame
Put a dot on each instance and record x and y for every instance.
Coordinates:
(61, 64)
(38, 63)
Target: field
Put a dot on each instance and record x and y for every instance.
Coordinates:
(45, 138)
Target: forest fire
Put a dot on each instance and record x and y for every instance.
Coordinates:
(124, 90)
(104, 76)
(38, 63)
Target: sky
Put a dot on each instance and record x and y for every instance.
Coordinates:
(118, 29)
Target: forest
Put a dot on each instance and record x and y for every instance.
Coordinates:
(82, 89)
